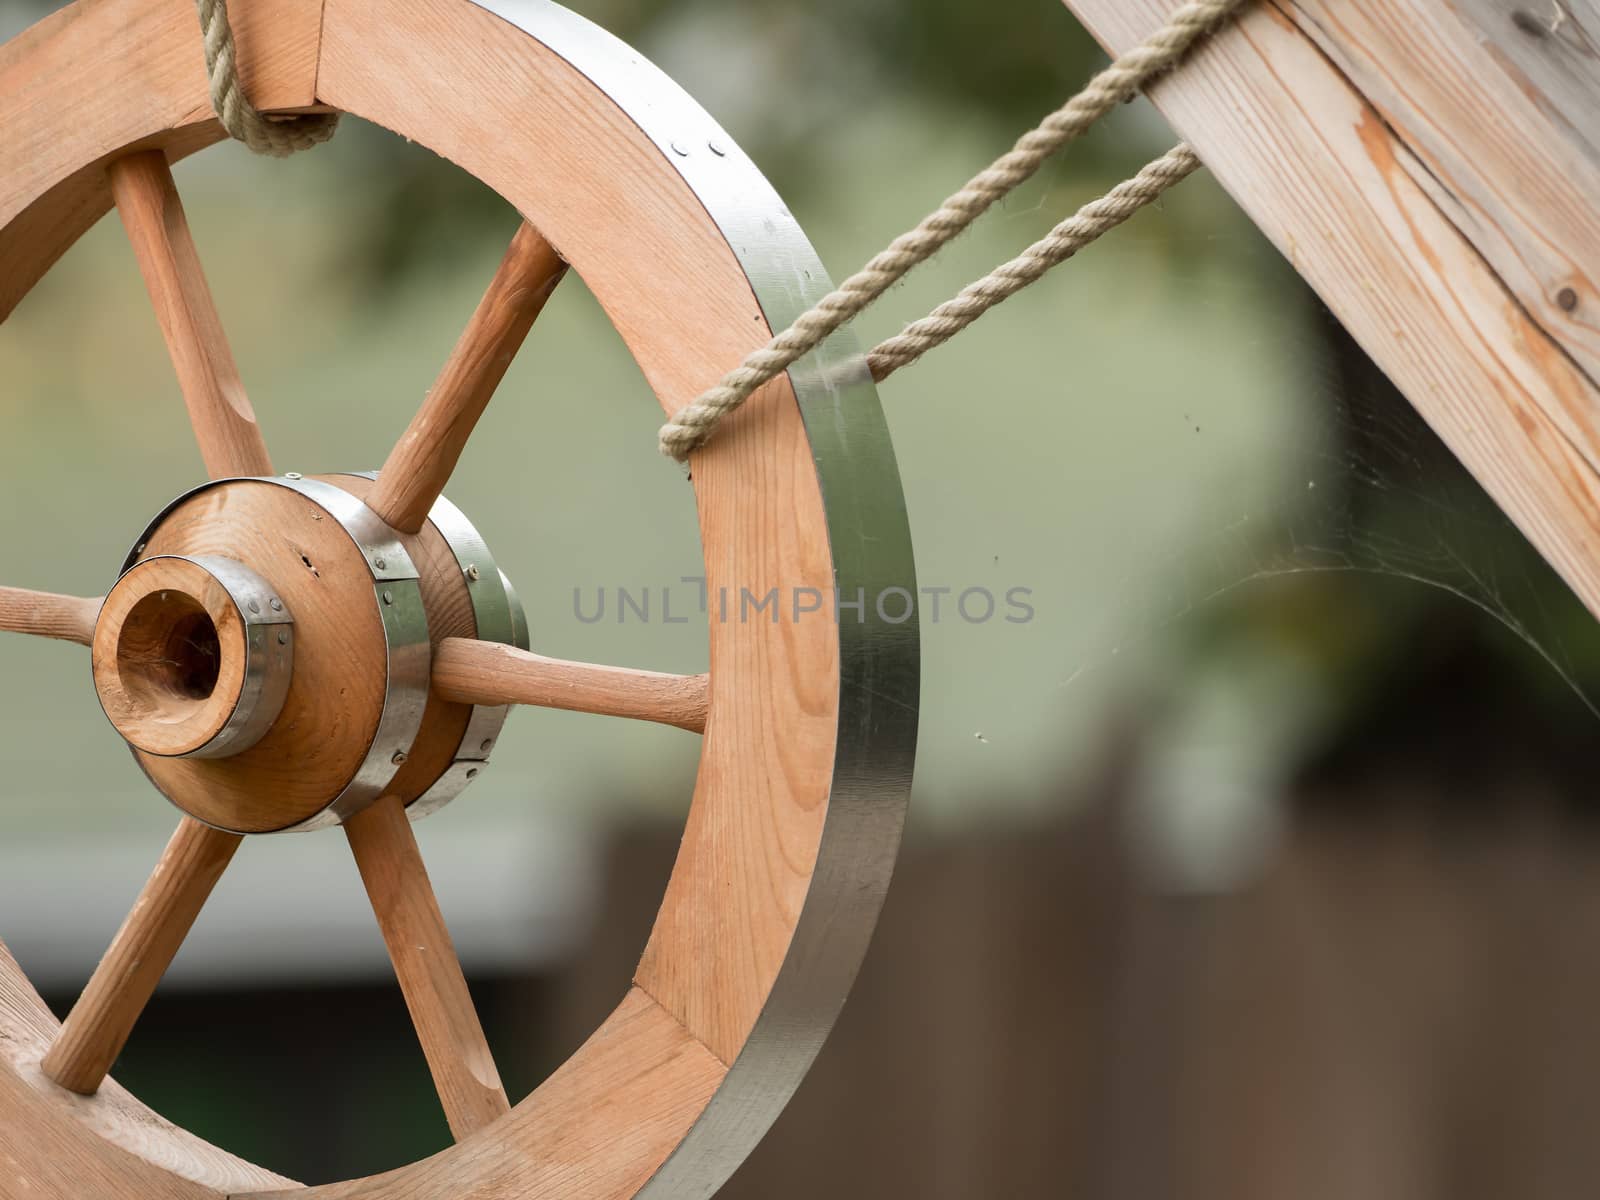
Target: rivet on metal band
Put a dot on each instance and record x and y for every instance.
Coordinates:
(499, 617)
(269, 656)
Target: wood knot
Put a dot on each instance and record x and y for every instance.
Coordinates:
(1567, 298)
(1529, 24)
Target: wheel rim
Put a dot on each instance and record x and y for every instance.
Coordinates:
(806, 763)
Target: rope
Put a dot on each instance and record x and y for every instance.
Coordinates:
(1066, 239)
(277, 136)
(694, 424)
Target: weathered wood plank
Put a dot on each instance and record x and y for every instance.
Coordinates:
(1559, 47)
(1318, 168)
(1503, 146)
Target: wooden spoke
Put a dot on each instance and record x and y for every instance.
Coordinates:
(420, 464)
(147, 200)
(44, 614)
(425, 961)
(472, 672)
(98, 1026)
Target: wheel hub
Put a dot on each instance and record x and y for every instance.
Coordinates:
(266, 653)
(193, 656)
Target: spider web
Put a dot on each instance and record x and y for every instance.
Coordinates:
(1383, 497)
(1378, 539)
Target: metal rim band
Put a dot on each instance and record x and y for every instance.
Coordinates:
(870, 541)
(498, 617)
(397, 593)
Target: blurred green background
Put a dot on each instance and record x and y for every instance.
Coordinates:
(1265, 597)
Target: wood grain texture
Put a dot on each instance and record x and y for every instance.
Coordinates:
(100, 1022)
(336, 696)
(1317, 167)
(472, 672)
(572, 1138)
(425, 962)
(45, 614)
(53, 159)
(278, 43)
(224, 424)
(422, 461)
(137, 669)
(598, 189)
(1557, 52)
(1502, 137)
(68, 1146)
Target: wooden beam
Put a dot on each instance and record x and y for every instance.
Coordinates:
(1335, 177)
(1502, 137)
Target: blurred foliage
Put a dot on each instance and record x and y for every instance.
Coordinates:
(785, 79)
(1009, 63)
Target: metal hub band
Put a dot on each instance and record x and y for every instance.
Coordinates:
(499, 617)
(269, 655)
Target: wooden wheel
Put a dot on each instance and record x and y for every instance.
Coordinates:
(295, 653)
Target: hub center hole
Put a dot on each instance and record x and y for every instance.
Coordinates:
(169, 655)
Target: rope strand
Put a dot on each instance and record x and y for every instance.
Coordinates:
(1066, 239)
(694, 424)
(275, 136)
